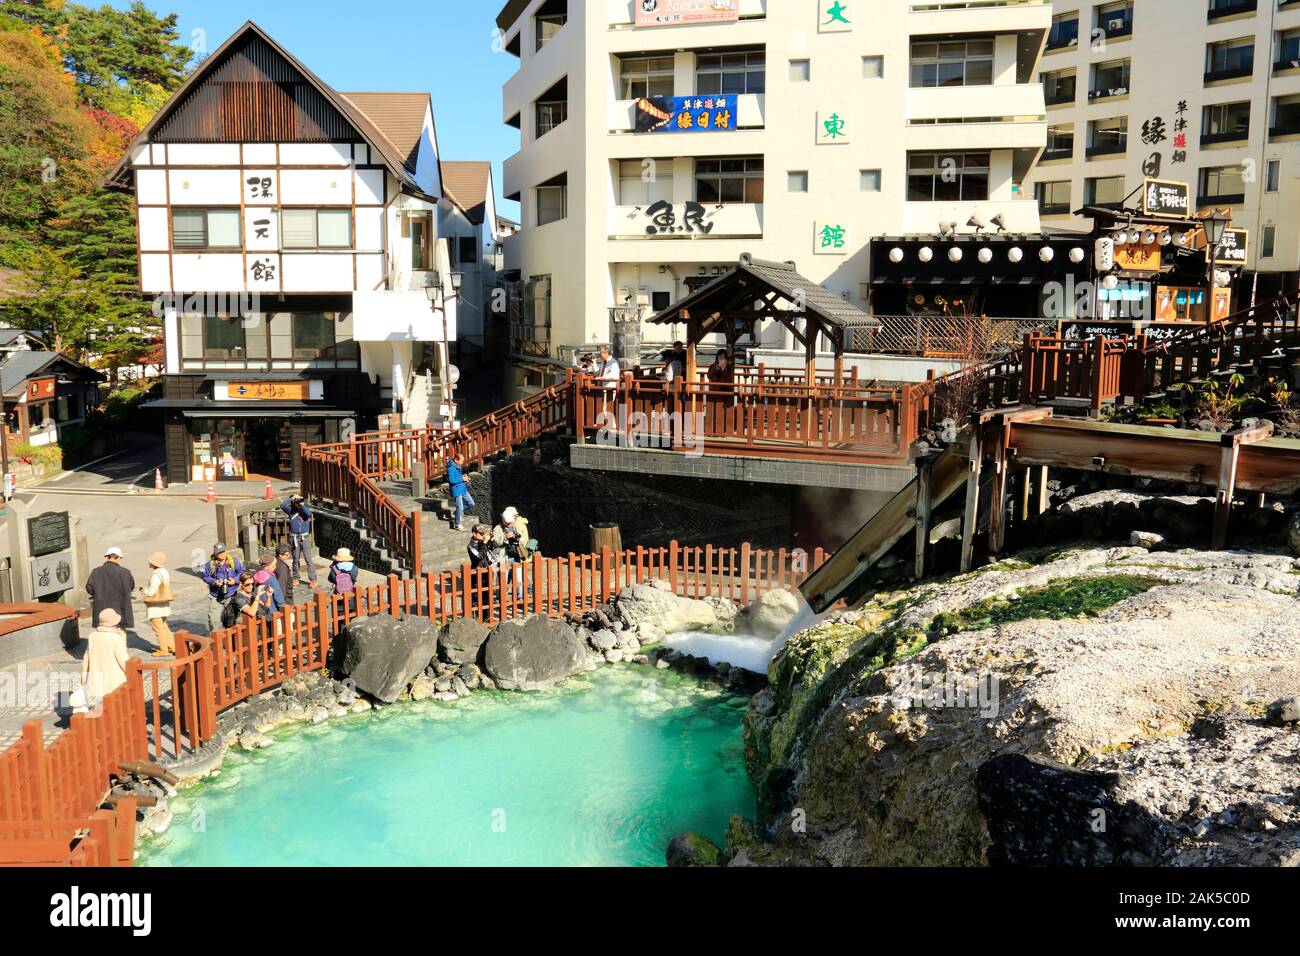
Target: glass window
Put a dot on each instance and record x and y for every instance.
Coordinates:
(313, 334)
(1226, 120)
(732, 180)
(1108, 135)
(547, 26)
(205, 229)
(1273, 176)
(646, 76)
(468, 250)
(873, 67)
(1110, 78)
(418, 227)
(1053, 196)
(1058, 86)
(1116, 19)
(223, 337)
(335, 228)
(642, 183)
(1065, 31)
(281, 327)
(1060, 139)
(552, 203)
(1231, 56)
(1222, 181)
(947, 177)
(1288, 47)
(869, 180)
(298, 228)
(191, 335)
(727, 73)
(1103, 190)
(1286, 114)
(800, 71)
(952, 63)
(316, 228)
(1268, 242)
(797, 181)
(551, 115)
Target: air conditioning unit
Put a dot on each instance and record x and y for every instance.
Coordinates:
(1116, 24)
(643, 297)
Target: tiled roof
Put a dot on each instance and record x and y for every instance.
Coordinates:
(467, 182)
(399, 116)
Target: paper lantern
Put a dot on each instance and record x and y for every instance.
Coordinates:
(895, 255)
(925, 255)
(1014, 254)
(986, 256)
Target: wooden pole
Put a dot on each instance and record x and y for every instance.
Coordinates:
(924, 508)
(998, 498)
(970, 519)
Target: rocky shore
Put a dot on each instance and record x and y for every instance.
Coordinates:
(1088, 706)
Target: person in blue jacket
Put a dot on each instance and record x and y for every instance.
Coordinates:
(299, 512)
(459, 489)
(221, 574)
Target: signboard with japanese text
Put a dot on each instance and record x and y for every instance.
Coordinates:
(676, 13)
(686, 114)
(833, 127)
(51, 574)
(831, 239)
(665, 219)
(1233, 248)
(1136, 258)
(269, 391)
(1162, 197)
(41, 388)
(48, 533)
(834, 16)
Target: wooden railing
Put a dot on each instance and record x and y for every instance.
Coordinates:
(1072, 368)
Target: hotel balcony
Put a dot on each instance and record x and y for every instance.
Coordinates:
(1010, 116)
(1021, 215)
(751, 113)
(979, 16)
(718, 221)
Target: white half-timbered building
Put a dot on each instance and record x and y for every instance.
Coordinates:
(290, 237)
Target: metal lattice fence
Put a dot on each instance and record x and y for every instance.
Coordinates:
(946, 335)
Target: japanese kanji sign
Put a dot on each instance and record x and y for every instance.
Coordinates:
(686, 114)
(1233, 248)
(831, 239)
(667, 219)
(833, 127)
(259, 187)
(1162, 197)
(834, 16)
(672, 13)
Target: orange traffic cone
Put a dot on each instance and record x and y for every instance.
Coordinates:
(212, 494)
(158, 483)
(269, 494)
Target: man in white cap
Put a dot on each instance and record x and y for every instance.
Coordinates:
(510, 538)
(110, 587)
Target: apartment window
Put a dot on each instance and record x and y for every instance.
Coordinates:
(313, 334)
(1288, 50)
(1116, 19)
(1273, 176)
(947, 177)
(954, 63)
(642, 183)
(1059, 86)
(1223, 184)
(1107, 136)
(1109, 79)
(660, 301)
(731, 73)
(467, 250)
(1053, 198)
(1268, 242)
(1286, 115)
(869, 180)
(1104, 190)
(797, 181)
(553, 200)
(1229, 59)
(1227, 8)
(223, 336)
(550, 19)
(552, 108)
(1060, 142)
(647, 76)
(1064, 32)
(732, 180)
(316, 228)
(205, 229)
(873, 67)
(1225, 122)
(533, 335)
(800, 71)
(418, 227)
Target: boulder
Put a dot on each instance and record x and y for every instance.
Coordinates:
(382, 654)
(691, 849)
(1146, 539)
(665, 611)
(1283, 712)
(604, 640)
(461, 642)
(1293, 534)
(769, 615)
(533, 654)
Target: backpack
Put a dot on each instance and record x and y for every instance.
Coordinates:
(342, 581)
(230, 611)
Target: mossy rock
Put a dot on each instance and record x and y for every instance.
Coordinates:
(692, 849)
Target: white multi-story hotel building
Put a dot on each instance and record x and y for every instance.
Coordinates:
(1205, 92)
(303, 247)
(811, 125)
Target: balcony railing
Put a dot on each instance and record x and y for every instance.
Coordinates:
(1107, 91)
(1107, 149)
(1230, 136)
(1291, 128)
(1057, 99)
(1053, 209)
(1230, 8)
(1229, 73)
(1053, 154)
(1222, 199)
(1062, 42)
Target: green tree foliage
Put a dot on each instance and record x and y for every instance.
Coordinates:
(125, 61)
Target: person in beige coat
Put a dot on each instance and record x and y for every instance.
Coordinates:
(157, 597)
(103, 669)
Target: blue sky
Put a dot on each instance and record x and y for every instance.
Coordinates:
(444, 47)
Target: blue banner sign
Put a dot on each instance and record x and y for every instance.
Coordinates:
(686, 114)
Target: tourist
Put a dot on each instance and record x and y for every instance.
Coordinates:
(242, 602)
(299, 512)
(510, 541)
(269, 595)
(674, 363)
(221, 574)
(607, 368)
(284, 571)
(588, 366)
(343, 572)
(459, 489)
(157, 597)
(103, 669)
(480, 547)
(721, 371)
(111, 586)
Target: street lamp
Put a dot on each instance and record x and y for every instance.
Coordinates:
(1215, 227)
(434, 289)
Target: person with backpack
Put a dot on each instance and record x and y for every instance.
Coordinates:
(270, 597)
(221, 574)
(299, 512)
(459, 489)
(343, 575)
(242, 602)
(284, 571)
(480, 547)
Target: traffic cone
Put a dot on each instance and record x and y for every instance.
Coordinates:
(269, 494)
(212, 494)
(158, 483)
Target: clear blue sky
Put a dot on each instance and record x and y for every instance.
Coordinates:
(444, 47)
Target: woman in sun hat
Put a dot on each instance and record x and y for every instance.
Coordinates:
(103, 669)
(157, 597)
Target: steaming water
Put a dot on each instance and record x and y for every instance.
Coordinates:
(749, 651)
(601, 770)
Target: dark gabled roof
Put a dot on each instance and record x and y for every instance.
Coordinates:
(18, 367)
(393, 157)
(399, 116)
(779, 277)
(467, 182)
